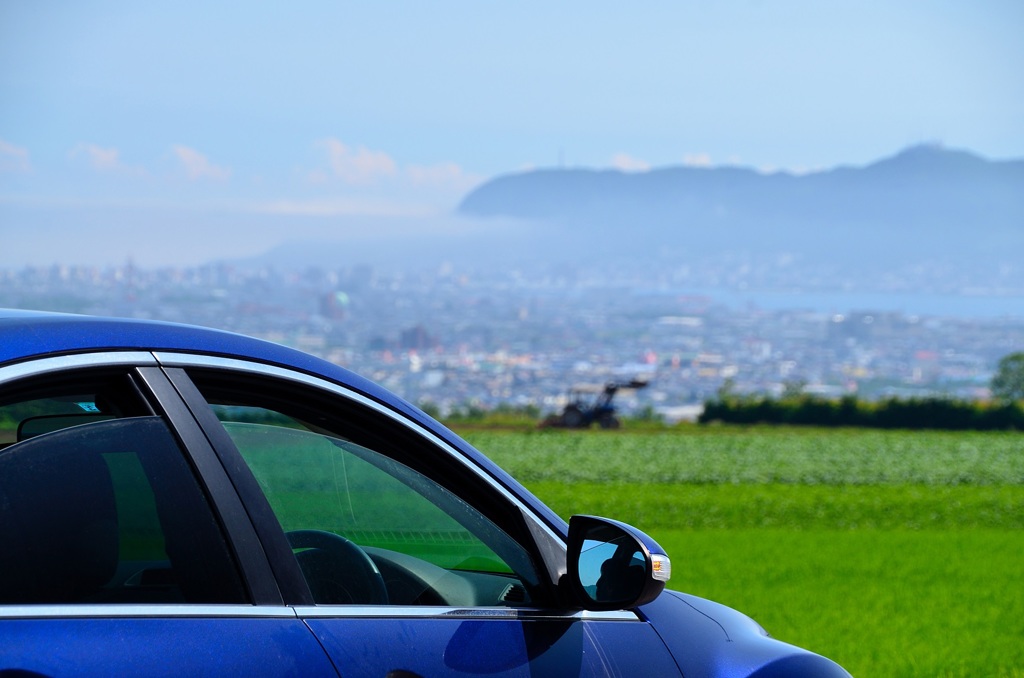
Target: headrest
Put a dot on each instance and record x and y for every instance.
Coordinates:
(58, 521)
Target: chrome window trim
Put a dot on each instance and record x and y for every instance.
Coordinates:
(477, 613)
(129, 611)
(172, 359)
(38, 366)
(146, 610)
(185, 360)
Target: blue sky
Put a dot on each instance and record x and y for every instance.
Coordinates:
(134, 111)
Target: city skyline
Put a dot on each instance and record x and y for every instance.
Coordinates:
(457, 338)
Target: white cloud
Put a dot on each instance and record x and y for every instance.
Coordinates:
(13, 158)
(368, 169)
(445, 176)
(628, 163)
(802, 170)
(100, 158)
(360, 166)
(197, 166)
(697, 160)
(334, 207)
(104, 159)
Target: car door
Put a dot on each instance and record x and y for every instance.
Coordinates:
(125, 551)
(413, 560)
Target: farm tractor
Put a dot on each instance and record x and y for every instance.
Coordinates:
(591, 403)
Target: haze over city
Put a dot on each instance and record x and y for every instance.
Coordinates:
(509, 198)
(190, 133)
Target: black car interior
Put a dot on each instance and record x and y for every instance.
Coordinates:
(101, 506)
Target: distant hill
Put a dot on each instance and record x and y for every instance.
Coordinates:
(925, 201)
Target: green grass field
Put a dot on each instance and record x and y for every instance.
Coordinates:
(895, 553)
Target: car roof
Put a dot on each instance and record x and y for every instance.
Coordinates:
(28, 335)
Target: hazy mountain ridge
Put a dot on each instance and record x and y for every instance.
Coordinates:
(925, 200)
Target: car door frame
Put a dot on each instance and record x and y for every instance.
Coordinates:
(547, 538)
(189, 636)
(547, 545)
(162, 396)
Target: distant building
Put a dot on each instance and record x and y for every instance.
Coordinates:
(416, 339)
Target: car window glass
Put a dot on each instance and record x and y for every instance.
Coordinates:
(103, 508)
(23, 419)
(316, 481)
(429, 545)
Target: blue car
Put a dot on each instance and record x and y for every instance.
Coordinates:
(183, 501)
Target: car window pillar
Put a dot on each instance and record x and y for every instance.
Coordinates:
(276, 549)
(238, 527)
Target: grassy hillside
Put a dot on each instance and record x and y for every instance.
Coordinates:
(896, 553)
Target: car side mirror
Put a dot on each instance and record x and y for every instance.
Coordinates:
(613, 566)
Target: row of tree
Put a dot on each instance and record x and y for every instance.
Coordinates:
(912, 413)
(1004, 413)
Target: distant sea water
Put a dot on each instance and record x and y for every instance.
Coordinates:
(968, 306)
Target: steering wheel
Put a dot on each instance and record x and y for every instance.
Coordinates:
(337, 571)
